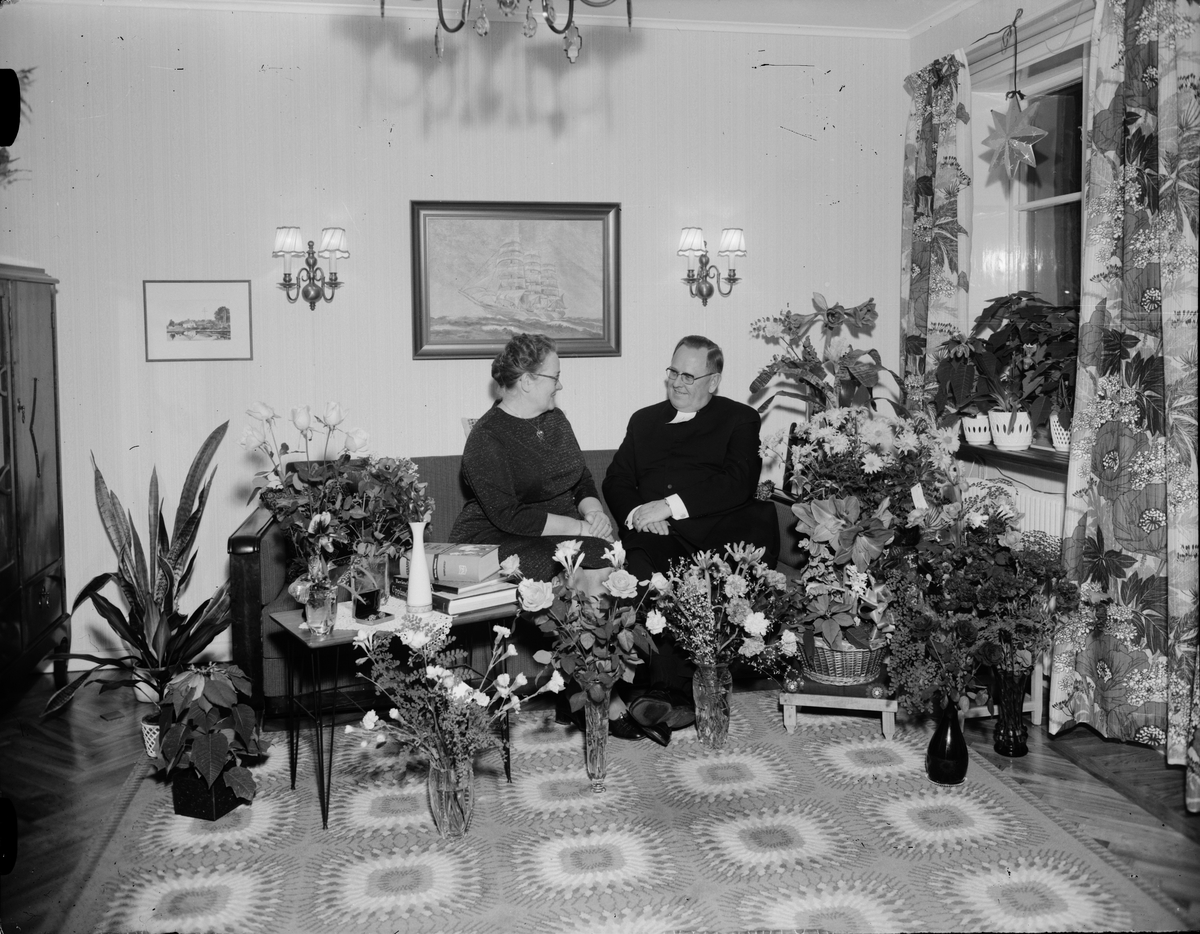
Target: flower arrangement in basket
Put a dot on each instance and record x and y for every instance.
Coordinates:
(597, 637)
(439, 709)
(342, 509)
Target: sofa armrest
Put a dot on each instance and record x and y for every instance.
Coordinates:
(258, 558)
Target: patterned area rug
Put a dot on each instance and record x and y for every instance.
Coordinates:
(832, 828)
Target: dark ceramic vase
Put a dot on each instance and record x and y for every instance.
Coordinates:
(193, 798)
(1011, 732)
(946, 757)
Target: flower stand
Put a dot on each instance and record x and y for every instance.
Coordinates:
(799, 691)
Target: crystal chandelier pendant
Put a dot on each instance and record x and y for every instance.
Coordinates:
(548, 12)
(482, 25)
(530, 27)
(572, 44)
(439, 42)
(507, 6)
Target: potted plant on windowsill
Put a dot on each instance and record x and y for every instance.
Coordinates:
(207, 737)
(159, 637)
(1008, 417)
(960, 391)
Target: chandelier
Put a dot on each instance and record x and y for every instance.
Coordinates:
(572, 40)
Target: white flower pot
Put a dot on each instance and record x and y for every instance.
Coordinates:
(976, 429)
(1011, 432)
(1059, 437)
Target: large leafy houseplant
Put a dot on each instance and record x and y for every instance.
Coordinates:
(837, 376)
(203, 727)
(159, 637)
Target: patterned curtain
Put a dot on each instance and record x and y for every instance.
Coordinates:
(935, 244)
(1128, 669)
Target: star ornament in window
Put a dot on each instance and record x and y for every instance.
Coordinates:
(1012, 137)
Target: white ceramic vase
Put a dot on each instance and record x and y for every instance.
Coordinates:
(976, 429)
(420, 592)
(1011, 432)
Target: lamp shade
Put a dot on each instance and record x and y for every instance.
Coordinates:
(733, 242)
(288, 242)
(333, 243)
(691, 242)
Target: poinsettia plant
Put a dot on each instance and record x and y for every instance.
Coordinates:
(202, 726)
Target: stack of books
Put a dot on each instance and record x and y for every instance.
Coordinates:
(464, 577)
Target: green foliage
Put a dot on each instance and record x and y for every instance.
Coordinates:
(203, 727)
(160, 638)
(825, 381)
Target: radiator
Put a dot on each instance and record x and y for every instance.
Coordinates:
(1042, 512)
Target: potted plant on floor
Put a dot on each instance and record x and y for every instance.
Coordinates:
(159, 637)
(207, 737)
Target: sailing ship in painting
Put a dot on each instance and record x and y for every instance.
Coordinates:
(516, 282)
(216, 328)
(516, 289)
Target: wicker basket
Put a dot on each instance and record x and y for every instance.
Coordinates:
(841, 666)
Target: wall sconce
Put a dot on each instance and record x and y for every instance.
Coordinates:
(692, 243)
(310, 284)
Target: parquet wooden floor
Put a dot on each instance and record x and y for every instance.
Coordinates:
(61, 773)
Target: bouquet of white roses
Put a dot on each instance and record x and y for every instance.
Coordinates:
(596, 636)
(719, 606)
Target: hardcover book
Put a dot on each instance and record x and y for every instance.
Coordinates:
(452, 604)
(454, 561)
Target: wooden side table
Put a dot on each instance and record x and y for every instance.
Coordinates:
(314, 646)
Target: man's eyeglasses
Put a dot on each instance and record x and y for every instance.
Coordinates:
(553, 376)
(686, 378)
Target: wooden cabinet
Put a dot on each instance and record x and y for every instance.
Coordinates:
(33, 619)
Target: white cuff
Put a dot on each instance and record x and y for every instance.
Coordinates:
(678, 509)
(629, 518)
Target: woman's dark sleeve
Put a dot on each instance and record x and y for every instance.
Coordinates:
(486, 466)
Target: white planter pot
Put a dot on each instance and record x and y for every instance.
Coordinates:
(144, 693)
(976, 429)
(1011, 432)
(150, 734)
(1059, 437)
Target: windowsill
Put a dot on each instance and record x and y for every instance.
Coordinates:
(1041, 459)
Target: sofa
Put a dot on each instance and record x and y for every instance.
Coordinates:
(259, 552)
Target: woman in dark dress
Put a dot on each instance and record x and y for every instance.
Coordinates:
(529, 485)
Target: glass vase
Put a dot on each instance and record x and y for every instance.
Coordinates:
(320, 611)
(596, 699)
(451, 787)
(1011, 733)
(712, 688)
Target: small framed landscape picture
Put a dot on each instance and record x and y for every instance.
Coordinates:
(190, 319)
(483, 270)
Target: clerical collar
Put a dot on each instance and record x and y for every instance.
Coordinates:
(681, 417)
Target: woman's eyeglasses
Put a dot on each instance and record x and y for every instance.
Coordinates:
(686, 378)
(553, 376)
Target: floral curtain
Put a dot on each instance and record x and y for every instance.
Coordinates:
(935, 245)
(1128, 668)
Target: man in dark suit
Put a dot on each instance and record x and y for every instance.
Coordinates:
(683, 481)
(684, 478)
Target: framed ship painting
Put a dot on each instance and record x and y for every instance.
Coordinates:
(197, 319)
(484, 270)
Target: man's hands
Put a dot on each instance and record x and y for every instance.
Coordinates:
(652, 517)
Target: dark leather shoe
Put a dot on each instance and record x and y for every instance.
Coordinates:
(624, 727)
(660, 706)
(659, 732)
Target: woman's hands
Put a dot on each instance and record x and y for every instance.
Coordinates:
(595, 522)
